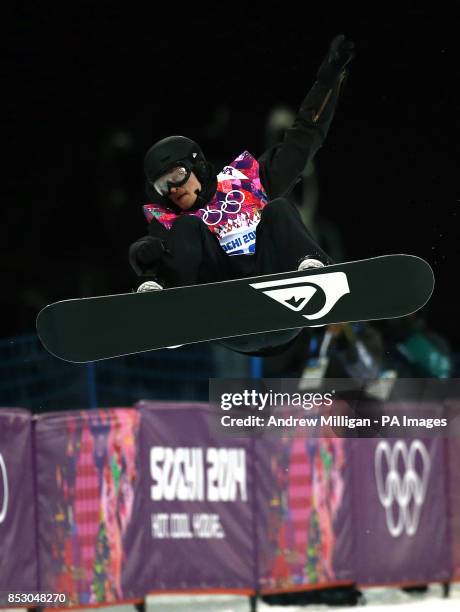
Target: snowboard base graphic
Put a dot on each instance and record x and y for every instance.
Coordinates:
(90, 329)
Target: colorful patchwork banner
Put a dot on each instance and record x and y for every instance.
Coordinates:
(86, 479)
(303, 513)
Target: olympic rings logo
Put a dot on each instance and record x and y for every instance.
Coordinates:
(231, 205)
(405, 489)
(4, 479)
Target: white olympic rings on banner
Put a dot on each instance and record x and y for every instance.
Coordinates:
(229, 201)
(4, 479)
(407, 491)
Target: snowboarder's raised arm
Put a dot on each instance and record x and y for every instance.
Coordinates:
(282, 164)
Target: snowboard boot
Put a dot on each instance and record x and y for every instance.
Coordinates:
(149, 286)
(309, 262)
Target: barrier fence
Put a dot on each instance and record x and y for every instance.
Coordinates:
(109, 505)
(34, 379)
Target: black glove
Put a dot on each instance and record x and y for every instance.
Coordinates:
(340, 53)
(149, 250)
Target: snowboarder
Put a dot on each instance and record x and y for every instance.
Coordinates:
(196, 232)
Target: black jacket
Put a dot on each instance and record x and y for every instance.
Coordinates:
(282, 164)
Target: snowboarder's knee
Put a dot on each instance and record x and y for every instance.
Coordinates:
(187, 223)
(276, 208)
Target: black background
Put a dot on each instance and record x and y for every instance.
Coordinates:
(89, 89)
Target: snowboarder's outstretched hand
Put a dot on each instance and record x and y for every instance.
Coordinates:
(148, 250)
(339, 54)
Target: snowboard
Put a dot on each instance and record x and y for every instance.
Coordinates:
(94, 328)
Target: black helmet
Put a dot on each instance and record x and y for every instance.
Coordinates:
(170, 152)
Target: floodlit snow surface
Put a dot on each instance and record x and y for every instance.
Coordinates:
(386, 600)
(375, 600)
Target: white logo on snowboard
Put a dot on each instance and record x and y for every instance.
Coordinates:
(334, 285)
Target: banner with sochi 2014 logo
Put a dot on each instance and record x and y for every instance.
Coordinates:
(131, 501)
(195, 505)
(122, 502)
(400, 509)
(18, 554)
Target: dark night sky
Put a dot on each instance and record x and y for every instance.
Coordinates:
(73, 192)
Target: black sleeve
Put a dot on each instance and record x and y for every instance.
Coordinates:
(282, 164)
(156, 230)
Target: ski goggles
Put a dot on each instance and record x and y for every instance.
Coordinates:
(173, 178)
